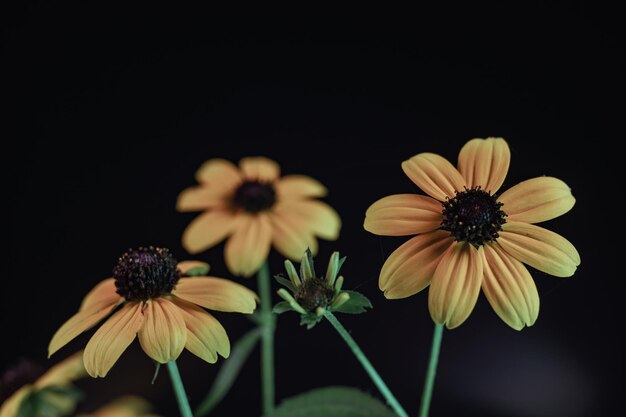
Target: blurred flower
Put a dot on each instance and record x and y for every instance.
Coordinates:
(254, 207)
(468, 237)
(159, 306)
(129, 406)
(49, 395)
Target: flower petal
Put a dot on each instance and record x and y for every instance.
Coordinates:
(537, 200)
(455, 285)
(205, 335)
(293, 187)
(184, 266)
(163, 334)
(434, 175)
(403, 214)
(11, 406)
(539, 248)
(249, 245)
(485, 163)
(201, 198)
(84, 320)
(317, 216)
(291, 238)
(219, 173)
(208, 229)
(104, 292)
(409, 269)
(112, 338)
(216, 294)
(510, 289)
(259, 168)
(64, 372)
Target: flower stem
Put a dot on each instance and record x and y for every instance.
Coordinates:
(267, 339)
(367, 365)
(179, 390)
(429, 383)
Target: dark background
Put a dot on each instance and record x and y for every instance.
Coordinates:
(110, 112)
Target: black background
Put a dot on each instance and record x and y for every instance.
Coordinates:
(110, 112)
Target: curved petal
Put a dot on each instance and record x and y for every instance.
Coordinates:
(216, 294)
(434, 175)
(186, 266)
(84, 320)
(537, 200)
(259, 168)
(219, 173)
(539, 248)
(205, 335)
(296, 187)
(64, 372)
(200, 198)
(208, 229)
(163, 334)
(290, 238)
(248, 247)
(403, 214)
(317, 216)
(409, 269)
(510, 289)
(485, 163)
(111, 340)
(104, 292)
(11, 405)
(455, 285)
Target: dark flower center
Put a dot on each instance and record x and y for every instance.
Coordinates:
(144, 273)
(473, 216)
(255, 196)
(24, 373)
(314, 293)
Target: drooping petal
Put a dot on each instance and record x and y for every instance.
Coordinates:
(199, 198)
(84, 320)
(248, 247)
(219, 173)
(208, 229)
(539, 248)
(185, 266)
(315, 215)
(216, 294)
(455, 285)
(11, 406)
(537, 200)
(163, 334)
(64, 372)
(291, 238)
(259, 168)
(485, 163)
(410, 268)
(434, 175)
(112, 338)
(403, 214)
(104, 292)
(297, 187)
(205, 335)
(510, 289)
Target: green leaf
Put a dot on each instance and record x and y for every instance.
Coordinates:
(285, 282)
(309, 320)
(357, 304)
(281, 307)
(229, 371)
(332, 402)
(198, 271)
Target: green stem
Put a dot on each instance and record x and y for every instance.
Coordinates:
(367, 365)
(267, 339)
(429, 383)
(179, 390)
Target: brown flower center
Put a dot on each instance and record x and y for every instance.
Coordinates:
(313, 293)
(255, 196)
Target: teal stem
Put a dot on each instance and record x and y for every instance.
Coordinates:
(367, 365)
(429, 382)
(179, 390)
(267, 323)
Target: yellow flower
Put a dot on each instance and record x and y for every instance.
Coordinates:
(255, 208)
(159, 307)
(53, 391)
(468, 237)
(129, 406)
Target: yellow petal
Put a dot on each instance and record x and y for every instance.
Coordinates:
(291, 238)
(103, 292)
(200, 198)
(205, 335)
(434, 175)
(209, 229)
(318, 217)
(297, 187)
(410, 268)
(485, 163)
(11, 405)
(112, 338)
(219, 173)
(539, 248)
(249, 245)
(403, 214)
(185, 266)
(259, 168)
(510, 289)
(537, 200)
(83, 320)
(63, 372)
(163, 334)
(216, 294)
(455, 285)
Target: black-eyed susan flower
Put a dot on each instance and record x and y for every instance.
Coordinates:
(469, 237)
(129, 406)
(255, 208)
(311, 295)
(157, 305)
(24, 391)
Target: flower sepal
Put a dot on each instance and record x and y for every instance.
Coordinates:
(53, 401)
